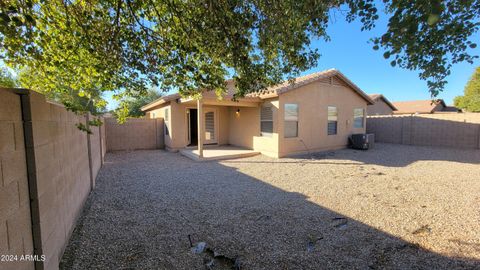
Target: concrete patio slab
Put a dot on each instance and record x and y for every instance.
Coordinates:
(219, 153)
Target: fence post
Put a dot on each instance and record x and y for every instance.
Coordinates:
(89, 150)
(100, 134)
(478, 136)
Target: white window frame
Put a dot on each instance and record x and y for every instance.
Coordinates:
(336, 120)
(290, 118)
(355, 118)
(263, 120)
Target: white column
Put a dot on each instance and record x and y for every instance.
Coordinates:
(201, 128)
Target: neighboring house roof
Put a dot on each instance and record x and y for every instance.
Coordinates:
(451, 109)
(376, 97)
(281, 88)
(160, 101)
(419, 106)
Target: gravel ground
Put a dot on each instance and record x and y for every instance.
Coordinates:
(392, 207)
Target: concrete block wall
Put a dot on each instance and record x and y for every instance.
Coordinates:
(62, 174)
(136, 133)
(15, 225)
(459, 130)
(47, 168)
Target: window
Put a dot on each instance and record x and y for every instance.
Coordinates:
(266, 120)
(358, 117)
(332, 120)
(167, 121)
(291, 121)
(209, 126)
(153, 115)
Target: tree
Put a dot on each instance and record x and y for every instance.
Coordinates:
(132, 106)
(6, 79)
(88, 47)
(470, 101)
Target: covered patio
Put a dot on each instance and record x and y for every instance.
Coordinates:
(218, 152)
(203, 117)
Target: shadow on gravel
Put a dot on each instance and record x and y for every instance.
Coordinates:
(389, 155)
(147, 203)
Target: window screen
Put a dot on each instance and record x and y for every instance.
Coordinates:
(167, 122)
(291, 121)
(266, 120)
(358, 118)
(332, 120)
(209, 126)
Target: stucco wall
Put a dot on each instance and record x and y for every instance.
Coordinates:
(379, 108)
(461, 130)
(243, 126)
(46, 176)
(178, 137)
(134, 134)
(313, 100)
(15, 225)
(267, 145)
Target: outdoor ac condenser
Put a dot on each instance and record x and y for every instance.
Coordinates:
(361, 141)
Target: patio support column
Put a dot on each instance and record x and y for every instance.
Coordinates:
(200, 125)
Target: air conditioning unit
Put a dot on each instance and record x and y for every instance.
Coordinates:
(361, 141)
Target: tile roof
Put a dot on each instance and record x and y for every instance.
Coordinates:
(303, 80)
(376, 97)
(281, 88)
(418, 106)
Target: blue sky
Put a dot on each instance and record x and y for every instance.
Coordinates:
(350, 52)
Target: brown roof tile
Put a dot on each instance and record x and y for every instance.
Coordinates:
(418, 106)
(376, 97)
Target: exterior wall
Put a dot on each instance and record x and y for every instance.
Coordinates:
(134, 134)
(269, 146)
(223, 125)
(460, 130)
(15, 224)
(379, 108)
(178, 130)
(243, 129)
(244, 126)
(313, 100)
(159, 112)
(46, 166)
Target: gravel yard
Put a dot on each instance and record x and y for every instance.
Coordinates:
(394, 206)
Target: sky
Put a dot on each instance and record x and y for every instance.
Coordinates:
(350, 52)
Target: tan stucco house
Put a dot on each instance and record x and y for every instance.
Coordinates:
(381, 106)
(318, 112)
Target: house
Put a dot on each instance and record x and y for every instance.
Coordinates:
(382, 106)
(317, 112)
(423, 107)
